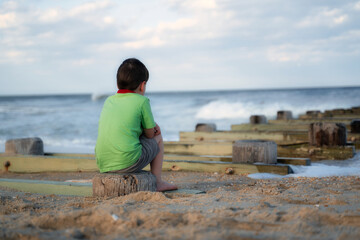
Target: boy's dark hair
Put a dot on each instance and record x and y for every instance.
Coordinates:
(131, 73)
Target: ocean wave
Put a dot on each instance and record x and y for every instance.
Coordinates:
(78, 142)
(99, 96)
(29, 110)
(223, 109)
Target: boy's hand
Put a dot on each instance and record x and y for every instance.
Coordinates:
(157, 130)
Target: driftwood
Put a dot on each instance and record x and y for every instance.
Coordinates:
(258, 119)
(251, 151)
(120, 184)
(26, 146)
(327, 134)
(355, 126)
(205, 127)
(284, 115)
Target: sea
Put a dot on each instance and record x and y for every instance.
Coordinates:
(69, 123)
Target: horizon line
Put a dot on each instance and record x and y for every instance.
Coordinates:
(180, 91)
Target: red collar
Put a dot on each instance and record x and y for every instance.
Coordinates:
(125, 91)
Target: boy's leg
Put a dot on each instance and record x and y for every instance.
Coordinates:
(156, 167)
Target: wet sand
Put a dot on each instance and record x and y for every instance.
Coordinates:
(233, 207)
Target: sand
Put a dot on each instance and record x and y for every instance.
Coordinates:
(233, 207)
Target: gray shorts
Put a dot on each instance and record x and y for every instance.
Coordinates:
(150, 149)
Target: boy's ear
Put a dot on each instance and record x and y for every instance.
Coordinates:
(142, 86)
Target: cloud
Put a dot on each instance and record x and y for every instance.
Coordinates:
(8, 20)
(325, 17)
(317, 50)
(89, 7)
(218, 37)
(83, 62)
(357, 6)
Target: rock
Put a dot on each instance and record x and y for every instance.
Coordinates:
(120, 184)
(205, 127)
(251, 151)
(284, 115)
(258, 119)
(327, 134)
(355, 126)
(26, 146)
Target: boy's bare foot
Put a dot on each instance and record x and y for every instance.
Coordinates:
(164, 186)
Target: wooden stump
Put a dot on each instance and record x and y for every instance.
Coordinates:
(258, 119)
(284, 115)
(355, 110)
(355, 126)
(26, 146)
(251, 151)
(327, 134)
(313, 113)
(120, 184)
(205, 127)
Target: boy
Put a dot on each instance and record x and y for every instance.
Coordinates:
(128, 137)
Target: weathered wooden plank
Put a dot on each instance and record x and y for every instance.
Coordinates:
(280, 137)
(77, 155)
(27, 163)
(48, 187)
(274, 127)
(294, 161)
(225, 149)
(346, 121)
(282, 160)
(269, 127)
(221, 167)
(198, 148)
(317, 153)
(198, 158)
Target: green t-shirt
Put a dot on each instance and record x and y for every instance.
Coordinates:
(122, 120)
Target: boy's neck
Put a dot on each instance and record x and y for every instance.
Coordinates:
(125, 91)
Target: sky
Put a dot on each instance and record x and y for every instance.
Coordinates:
(76, 46)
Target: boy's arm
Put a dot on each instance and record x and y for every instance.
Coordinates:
(152, 132)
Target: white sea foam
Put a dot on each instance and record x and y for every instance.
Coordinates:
(224, 109)
(264, 176)
(99, 96)
(329, 168)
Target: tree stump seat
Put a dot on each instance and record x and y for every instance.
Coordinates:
(120, 184)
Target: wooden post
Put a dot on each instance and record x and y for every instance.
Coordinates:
(120, 184)
(258, 119)
(284, 115)
(26, 146)
(251, 151)
(355, 110)
(205, 127)
(355, 126)
(327, 134)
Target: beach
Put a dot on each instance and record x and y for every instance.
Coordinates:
(232, 207)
